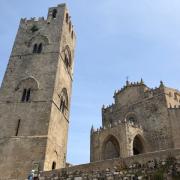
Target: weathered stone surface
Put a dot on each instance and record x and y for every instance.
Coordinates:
(34, 127)
(141, 120)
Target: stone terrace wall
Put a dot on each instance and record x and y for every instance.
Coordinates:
(157, 165)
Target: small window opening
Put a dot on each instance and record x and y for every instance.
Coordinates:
(17, 128)
(24, 95)
(69, 26)
(132, 119)
(53, 165)
(62, 105)
(72, 34)
(28, 95)
(39, 48)
(35, 48)
(66, 61)
(54, 13)
(67, 18)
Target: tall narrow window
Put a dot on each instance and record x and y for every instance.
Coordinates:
(39, 48)
(54, 13)
(35, 48)
(28, 94)
(24, 95)
(53, 165)
(66, 61)
(17, 128)
(67, 18)
(63, 101)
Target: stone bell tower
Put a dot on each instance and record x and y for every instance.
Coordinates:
(35, 96)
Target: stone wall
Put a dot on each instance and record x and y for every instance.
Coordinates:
(160, 165)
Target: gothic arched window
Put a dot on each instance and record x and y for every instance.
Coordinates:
(111, 148)
(67, 18)
(131, 117)
(37, 48)
(26, 95)
(26, 88)
(63, 101)
(67, 58)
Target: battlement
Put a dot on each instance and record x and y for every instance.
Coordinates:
(53, 13)
(115, 125)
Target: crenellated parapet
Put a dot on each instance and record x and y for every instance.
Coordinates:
(115, 124)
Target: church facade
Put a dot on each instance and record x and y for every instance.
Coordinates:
(141, 120)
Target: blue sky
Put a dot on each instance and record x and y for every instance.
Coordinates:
(115, 39)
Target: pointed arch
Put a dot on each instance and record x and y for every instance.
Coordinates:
(38, 39)
(64, 102)
(67, 57)
(110, 148)
(30, 82)
(138, 145)
(26, 87)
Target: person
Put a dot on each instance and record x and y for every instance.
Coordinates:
(31, 175)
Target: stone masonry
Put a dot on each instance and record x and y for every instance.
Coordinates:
(35, 96)
(140, 133)
(141, 120)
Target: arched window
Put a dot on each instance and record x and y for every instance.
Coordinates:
(54, 13)
(111, 148)
(131, 117)
(70, 26)
(26, 89)
(67, 18)
(26, 95)
(53, 165)
(63, 101)
(35, 48)
(72, 34)
(138, 145)
(67, 58)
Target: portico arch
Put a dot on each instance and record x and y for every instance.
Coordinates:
(110, 148)
(138, 145)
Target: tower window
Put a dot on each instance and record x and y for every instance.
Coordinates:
(67, 18)
(18, 125)
(67, 58)
(53, 165)
(63, 101)
(39, 48)
(35, 48)
(54, 13)
(66, 61)
(62, 105)
(69, 26)
(72, 34)
(26, 95)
